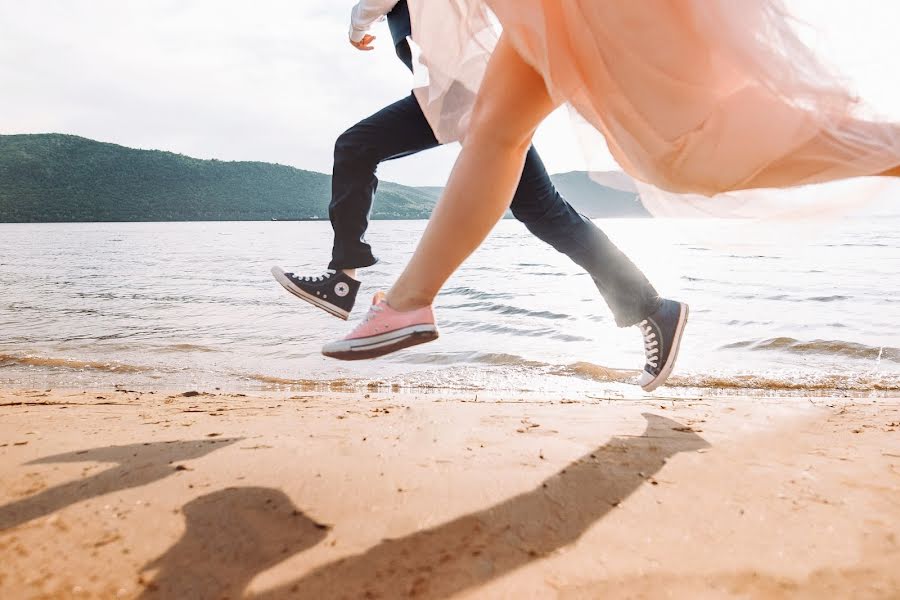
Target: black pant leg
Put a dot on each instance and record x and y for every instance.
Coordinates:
(548, 216)
(393, 132)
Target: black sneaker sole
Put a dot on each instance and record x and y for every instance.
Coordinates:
(373, 347)
(673, 355)
(328, 307)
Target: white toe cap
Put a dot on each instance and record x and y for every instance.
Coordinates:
(646, 379)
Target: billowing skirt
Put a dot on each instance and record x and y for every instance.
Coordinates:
(697, 98)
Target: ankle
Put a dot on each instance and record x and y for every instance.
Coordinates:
(349, 273)
(404, 301)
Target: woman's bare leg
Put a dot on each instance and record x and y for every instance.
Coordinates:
(511, 103)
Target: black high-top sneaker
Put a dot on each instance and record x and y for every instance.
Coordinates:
(662, 335)
(334, 292)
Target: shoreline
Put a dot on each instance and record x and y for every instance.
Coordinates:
(324, 495)
(607, 384)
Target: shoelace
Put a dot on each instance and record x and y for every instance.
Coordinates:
(318, 278)
(373, 310)
(651, 344)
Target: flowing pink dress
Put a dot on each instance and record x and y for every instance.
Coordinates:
(699, 98)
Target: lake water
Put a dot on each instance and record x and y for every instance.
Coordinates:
(775, 309)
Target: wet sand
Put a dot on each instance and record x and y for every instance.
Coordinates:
(118, 494)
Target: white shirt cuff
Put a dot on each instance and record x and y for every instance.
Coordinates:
(356, 35)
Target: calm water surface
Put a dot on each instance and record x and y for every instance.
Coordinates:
(775, 308)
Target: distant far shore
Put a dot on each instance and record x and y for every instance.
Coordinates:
(48, 178)
(318, 220)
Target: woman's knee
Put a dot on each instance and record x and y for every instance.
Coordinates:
(489, 127)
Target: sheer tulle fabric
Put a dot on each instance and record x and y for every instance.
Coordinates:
(694, 97)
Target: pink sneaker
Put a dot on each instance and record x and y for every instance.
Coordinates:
(384, 330)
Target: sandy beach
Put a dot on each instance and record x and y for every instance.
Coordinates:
(120, 494)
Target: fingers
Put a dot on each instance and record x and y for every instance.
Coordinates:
(365, 43)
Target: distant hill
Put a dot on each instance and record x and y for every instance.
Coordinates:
(52, 177)
(594, 200)
(65, 178)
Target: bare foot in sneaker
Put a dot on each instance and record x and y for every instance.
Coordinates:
(662, 333)
(383, 331)
(334, 291)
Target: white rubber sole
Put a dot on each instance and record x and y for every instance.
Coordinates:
(280, 276)
(379, 345)
(673, 355)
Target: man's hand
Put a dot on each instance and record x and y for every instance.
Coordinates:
(365, 43)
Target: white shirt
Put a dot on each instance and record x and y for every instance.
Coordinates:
(365, 13)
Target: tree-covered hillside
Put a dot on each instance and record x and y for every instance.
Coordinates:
(51, 177)
(594, 200)
(60, 178)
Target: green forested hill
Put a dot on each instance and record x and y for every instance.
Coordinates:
(51, 177)
(594, 200)
(59, 178)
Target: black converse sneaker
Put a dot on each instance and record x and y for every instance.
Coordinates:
(334, 292)
(662, 335)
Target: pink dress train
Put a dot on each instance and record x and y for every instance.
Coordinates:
(699, 98)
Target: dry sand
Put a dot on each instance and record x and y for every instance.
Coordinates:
(121, 494)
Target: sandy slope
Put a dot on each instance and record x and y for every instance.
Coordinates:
(121, 494)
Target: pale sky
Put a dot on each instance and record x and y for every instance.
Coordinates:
(276, 80)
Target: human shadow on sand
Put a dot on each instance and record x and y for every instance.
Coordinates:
(231, 536)
(433, 563)
(136, 465)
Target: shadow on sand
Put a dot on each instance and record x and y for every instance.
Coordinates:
(136, 465)
(234, 534)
